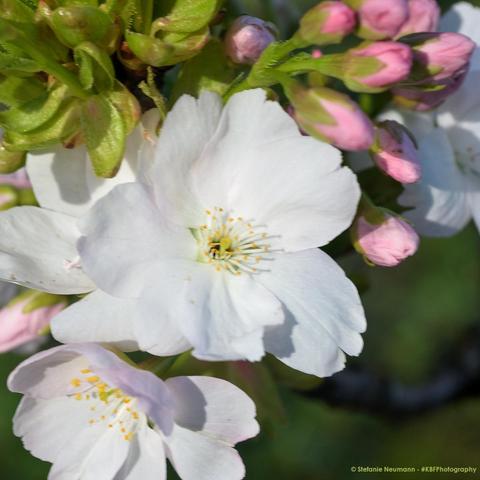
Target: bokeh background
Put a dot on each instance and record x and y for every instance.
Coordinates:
(418, 314)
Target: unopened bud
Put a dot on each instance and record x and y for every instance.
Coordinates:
(27, 316)
(331, 117)
(327, 23)
(424, 98)
(377, 66)
(424, 16)
(395, 153)
(439, 56)
(380, 19)
(8, 197)
(383, 238)
(18, 179)
(10, 161)
(247, 38)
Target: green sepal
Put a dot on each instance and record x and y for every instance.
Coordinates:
(8, 197)
(95, 68)
(15, 91)
(105, 134)
(11, 161)
(61, 126)
(209, 70)
(35, 113)
(188, 16)
(76, 24)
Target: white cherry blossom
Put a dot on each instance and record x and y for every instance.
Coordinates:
(92, 415)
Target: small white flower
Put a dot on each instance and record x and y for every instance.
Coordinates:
(94, 416)
(213, 247)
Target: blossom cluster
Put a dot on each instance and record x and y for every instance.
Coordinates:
(168, 180)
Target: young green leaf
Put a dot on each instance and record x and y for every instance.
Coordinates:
(105, 134)
(95, 67)
(34, 113)
(63, 125)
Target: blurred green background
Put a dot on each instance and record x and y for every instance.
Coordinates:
(415, 313)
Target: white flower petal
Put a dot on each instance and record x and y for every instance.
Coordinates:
(199, 457)
(214, 310)
(293, 185)
(126, 232)
(47, 374)
(47, 426)
(324, 316)
(94, 452)
(146, 457)
(188, 128)
(35, 248)
(63, 179)
(213, 406)
(98, 317)
(439, 199)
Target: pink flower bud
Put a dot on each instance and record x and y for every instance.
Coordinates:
(424, 16)
(326, 23)
(25, 317)
(247, 38)
(332, 117)
(421, 100)
(395, 152)
(441, 55)
(392, 62)
(18, 179)
(387, 243)
(380, 19)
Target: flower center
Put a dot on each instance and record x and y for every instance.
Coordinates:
(108, 405)
(231, 243)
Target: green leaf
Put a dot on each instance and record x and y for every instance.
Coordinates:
(34, 113)
(62, 126)
(95, 67)
(105, 134)
(15, 90)
(209, 70)
(188, 16)
(76, 24)
(16, 10)
(13, 60)
(170, 49)
(127, 105)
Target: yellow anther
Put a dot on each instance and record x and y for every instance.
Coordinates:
(75, 382)
(85, 371)
(78, 396)
(93, 379)
(128, 436)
